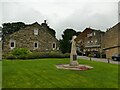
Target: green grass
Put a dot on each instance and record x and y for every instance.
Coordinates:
(42, 73)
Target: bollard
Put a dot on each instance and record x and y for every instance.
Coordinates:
(90, 56)
(108, 60)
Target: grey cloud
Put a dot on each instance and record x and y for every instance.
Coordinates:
(90, 17)
(16, 12)
(75, 15)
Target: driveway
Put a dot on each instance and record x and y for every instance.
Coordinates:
(99, 59)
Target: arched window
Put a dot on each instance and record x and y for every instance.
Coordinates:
(35, 45)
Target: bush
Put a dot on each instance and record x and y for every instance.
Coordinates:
(11, 57)
(20, 52)
(23, 53)
(90, 55)
(37, 55)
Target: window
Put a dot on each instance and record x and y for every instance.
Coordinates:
(35, 31)
(95, 41)
(89, 35)
(88, 42)
(94, 33)
(54, 46)
(12, 44)
(35, 45)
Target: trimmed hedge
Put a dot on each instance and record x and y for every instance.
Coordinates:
(36, 55)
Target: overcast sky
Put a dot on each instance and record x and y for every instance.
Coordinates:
(62, 14)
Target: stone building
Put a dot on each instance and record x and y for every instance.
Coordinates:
(112, 41)
(35, 37)
(90, 41)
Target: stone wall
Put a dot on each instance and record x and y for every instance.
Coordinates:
(110, 52)
(25, 38)
(112, 41)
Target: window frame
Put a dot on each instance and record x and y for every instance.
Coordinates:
(12, 41)
(36, 31)
(54, 45)
(36, 42)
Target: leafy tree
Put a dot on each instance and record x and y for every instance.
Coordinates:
(65, 42)
(9, 28)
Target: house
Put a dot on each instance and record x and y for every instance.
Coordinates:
(112, 41)
(90, 40)
(35, 37)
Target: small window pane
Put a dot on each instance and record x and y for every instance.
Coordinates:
(35, 31)
(53, 45)
(12, 44)
(35, 44)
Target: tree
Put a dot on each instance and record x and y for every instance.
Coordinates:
(9, 28)
(65, 42)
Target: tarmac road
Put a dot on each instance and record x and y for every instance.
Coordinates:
(99, 60)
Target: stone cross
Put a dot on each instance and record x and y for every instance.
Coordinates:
(73, 54)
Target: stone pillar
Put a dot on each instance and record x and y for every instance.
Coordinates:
(73, 54)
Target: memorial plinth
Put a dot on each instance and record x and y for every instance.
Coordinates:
(73, 65)
(73, 54)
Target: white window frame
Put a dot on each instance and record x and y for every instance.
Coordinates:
(96, 41)
(37, 45)
(14, 44)
(52, 45)
(35, 31)
(89, 35)
(88, 42)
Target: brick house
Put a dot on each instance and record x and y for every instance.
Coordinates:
(112, 41)
(35, 37)
(81, 39)
(90, 40)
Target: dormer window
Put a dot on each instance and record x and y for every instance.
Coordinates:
(35, 31)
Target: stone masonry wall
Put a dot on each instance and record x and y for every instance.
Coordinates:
(111, 40)
(25, 38)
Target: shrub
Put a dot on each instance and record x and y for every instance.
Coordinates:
(20, 52)
(90, 55)
(11, 57)
(37, 55)
(23, 53)
(67, 55)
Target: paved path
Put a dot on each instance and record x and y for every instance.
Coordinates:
(99, 59)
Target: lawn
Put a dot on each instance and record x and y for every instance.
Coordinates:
(42, 73)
